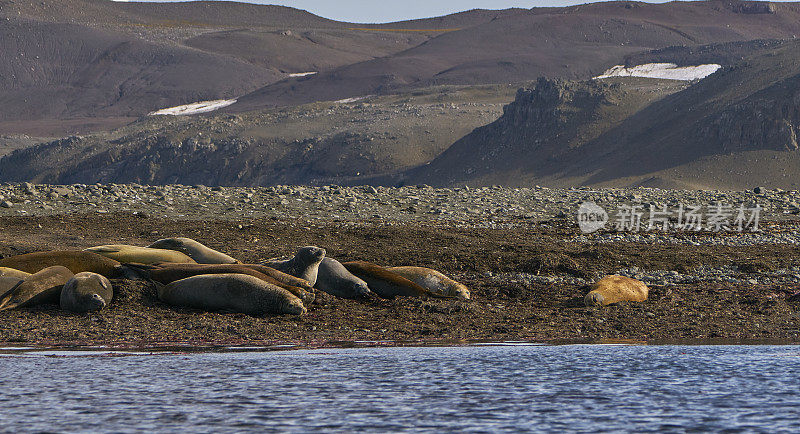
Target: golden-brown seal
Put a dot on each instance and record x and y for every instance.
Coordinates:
(231, 292)
(76, 261)
(141, 255)
(614, 289)
(433, 281)
(195, 250)
(11, 272)
(43, 287)
(385, 283)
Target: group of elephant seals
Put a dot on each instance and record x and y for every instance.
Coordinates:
(433, 281)
(43, 287)
(239, 293)
(86, 292)
(334, 279)
(195, 250)
(141, 255)
(10, 272)
(304, 264)
(167, 273)
(385, 283)
(614, 289)
(75, 261)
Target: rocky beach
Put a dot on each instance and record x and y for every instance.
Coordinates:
(520, 251)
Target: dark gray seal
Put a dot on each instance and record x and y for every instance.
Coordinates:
(86, 292)
(304, 265)
(239, 293)
(334, 279)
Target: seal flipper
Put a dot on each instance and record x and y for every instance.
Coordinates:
(135, 270)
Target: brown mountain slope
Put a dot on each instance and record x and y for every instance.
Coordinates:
(573, 42)
(734, 129)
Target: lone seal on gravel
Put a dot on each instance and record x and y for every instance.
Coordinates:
(433, 281)
(385, 283)
(231, 292)
(168, 273)
(43, 287)
(76, 261)
(141, 255)
(304, 265)
(195, 250)
(86, 292)
(614, 289)
(10, 272)
(334, 279)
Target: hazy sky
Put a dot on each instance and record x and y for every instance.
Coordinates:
(381, 11)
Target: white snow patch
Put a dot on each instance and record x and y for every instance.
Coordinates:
(354, 99)
(669, 71)
(194, 108)
(302, 74)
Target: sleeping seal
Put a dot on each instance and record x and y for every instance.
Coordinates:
(43, 287)
(86, 292)
(76, 261)
(7, 284)
(231, 292)
(385, 283)
(433, 281)
(10, 272)
(304, 265)
(195, 250)
(141, 255)
(614, 289)
(334, 279)
(167, 273)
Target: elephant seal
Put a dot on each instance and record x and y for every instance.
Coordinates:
(76, 261)
(86, 292)
(195, 250)
(334, 279)
(433, 281)
(141, 255)
(614, 289)
(387, 284)
(43, 287)
(231, 292)
(7, 284)
(304, 265)
(10, 272)
(167, 273)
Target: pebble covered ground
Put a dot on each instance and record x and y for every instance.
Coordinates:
(520, 251)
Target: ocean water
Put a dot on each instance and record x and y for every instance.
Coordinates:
(484, 388)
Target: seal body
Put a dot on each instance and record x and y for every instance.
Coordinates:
(76, 261)
(383, 282)
(7, 284)
(334, 279)
(304, 265)
(195, 250)
(10, 272)
(231, 292)
(86, 292)
(142, 255)
(614, 289)
(167, 273)
(43, 287)
(433, 281)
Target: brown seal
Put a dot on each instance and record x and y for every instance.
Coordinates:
(140, 255)
(433, 281)
(304, 264)
(231, 292)
(614, 289)
(195, 250)
(86, 292)
(77, 262)
(10, 272)
(7, 284)
(385, 283)
(43, 287)
(167, 273)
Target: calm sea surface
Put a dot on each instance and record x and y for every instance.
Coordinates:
(585, 388)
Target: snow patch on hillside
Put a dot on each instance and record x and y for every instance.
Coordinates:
(194, 108)
(669, 71)
(302, 74)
